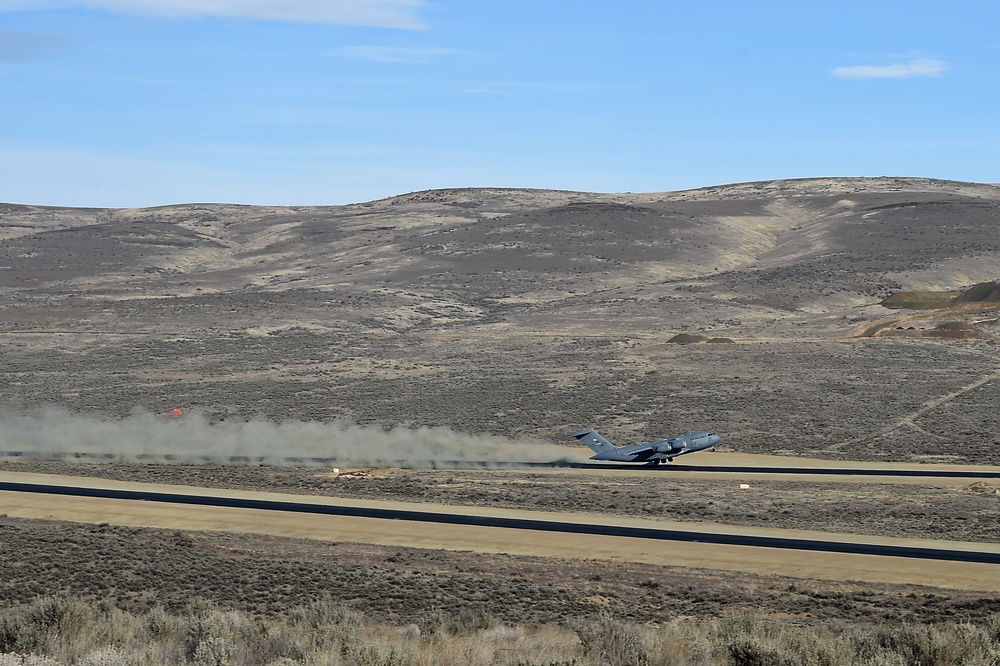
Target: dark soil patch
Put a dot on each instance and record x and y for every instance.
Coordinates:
(140, 568)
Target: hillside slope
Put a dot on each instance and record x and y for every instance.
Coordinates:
(520, 312)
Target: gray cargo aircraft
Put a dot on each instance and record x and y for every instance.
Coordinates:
(652, 452)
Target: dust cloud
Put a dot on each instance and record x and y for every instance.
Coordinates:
(57, 433)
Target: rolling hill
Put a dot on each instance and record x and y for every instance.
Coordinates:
(527, 313)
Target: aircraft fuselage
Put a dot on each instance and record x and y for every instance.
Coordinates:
(650, 452)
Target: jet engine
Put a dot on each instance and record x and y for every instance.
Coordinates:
(668, 445)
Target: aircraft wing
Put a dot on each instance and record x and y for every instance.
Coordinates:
(598, 443)
(636, 448)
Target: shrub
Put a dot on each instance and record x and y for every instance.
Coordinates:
(612, 642)
(105, 656)
(213, 651)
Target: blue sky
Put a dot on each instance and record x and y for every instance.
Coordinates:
(144, 102)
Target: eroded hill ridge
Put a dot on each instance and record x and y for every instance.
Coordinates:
(528, 313)
(736, 261)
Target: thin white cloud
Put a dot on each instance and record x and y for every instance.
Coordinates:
(396, 53)
(919, 67)
(401, 14)
(18, 46)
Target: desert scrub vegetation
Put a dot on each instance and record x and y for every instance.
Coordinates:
(56, 631)
(135, 569)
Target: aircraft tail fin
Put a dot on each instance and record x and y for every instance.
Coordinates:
(595, 441)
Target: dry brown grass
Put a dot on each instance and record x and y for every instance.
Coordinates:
(53, 630)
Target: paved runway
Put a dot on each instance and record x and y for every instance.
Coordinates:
(690, 536)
